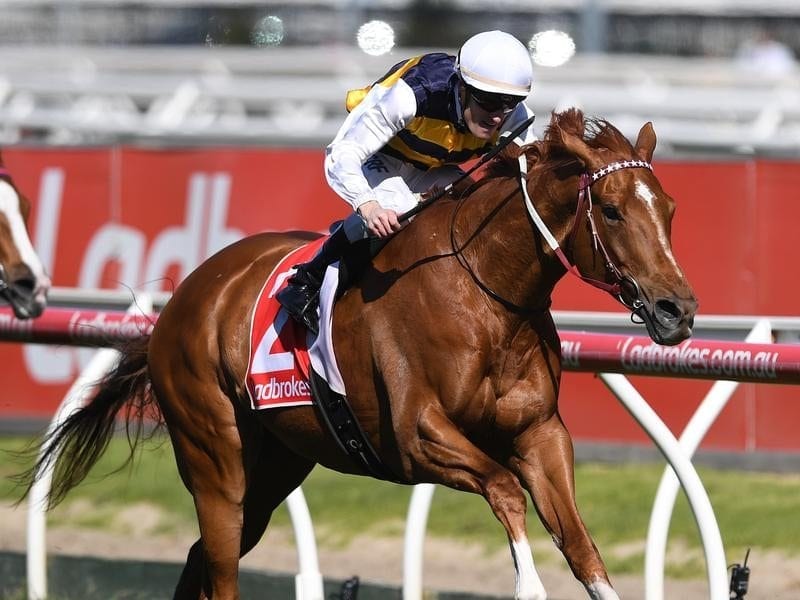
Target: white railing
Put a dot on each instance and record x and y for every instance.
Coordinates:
(278, 95)
(661, 515)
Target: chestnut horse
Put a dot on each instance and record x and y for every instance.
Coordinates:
(23, 281)
(446, 346)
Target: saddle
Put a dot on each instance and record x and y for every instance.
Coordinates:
(289, 366)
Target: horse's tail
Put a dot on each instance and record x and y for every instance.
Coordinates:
(76, 444)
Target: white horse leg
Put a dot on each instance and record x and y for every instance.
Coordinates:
(529, 586)
(600, 590)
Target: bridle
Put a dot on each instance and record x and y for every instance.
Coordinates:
(623, 286)
(585, 206)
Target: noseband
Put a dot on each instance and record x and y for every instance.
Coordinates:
(623, 286)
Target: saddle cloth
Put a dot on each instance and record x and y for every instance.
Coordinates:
(281, 350)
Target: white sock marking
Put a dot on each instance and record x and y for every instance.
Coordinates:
(529, 586)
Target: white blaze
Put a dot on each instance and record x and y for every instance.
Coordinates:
(644, 193)
(9, 206)
(648, 197)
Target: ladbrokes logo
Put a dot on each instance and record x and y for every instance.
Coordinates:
(688, 359)
(289, 389)
(100, 326)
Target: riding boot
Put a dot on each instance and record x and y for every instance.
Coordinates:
(300, 297)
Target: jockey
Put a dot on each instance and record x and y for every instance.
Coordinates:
(407, 133)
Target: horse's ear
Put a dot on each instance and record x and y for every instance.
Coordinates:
(646, 142)
(577, 147)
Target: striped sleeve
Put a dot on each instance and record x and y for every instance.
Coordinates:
(373, 122)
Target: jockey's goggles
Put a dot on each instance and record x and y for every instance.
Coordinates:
(493, 103)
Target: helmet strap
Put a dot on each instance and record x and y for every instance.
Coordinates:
(462, 92)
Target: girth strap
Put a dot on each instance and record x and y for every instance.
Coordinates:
(342, 423)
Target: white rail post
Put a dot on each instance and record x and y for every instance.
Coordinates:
(308, 581)
(36, 560)
(664, 504)
(695, 492)
(413, 552)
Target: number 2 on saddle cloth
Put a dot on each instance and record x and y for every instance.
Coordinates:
(279, 364)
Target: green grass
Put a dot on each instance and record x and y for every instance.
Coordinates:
(758, 510)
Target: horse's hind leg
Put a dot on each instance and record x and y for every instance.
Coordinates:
(277, 472)
(191, 583)
(271, 472)
(544, 464)
(211, 461)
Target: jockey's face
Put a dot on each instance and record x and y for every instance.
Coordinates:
(485, 112)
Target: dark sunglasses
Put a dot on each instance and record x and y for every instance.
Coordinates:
(494, 102)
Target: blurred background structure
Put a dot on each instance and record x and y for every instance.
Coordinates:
(718, 77)
(150, 133)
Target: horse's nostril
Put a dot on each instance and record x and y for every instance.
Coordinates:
(24, 286)
(668, 313)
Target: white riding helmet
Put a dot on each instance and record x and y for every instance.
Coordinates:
(496, 62)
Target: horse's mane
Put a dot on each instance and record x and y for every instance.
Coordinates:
(549, 152)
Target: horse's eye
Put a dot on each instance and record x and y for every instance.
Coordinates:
(611, 213)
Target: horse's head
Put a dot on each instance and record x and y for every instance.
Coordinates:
(627, 219)
(23, 281)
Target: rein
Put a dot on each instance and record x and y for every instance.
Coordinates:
(458, 252)
(622, 283)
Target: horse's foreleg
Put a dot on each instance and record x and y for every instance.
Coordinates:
(544, 463)
(447, 457)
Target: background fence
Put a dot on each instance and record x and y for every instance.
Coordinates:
(124, 216)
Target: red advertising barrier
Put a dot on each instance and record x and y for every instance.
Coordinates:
(75, 327)
(691, 359)
(581, 351)
(143, 219)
